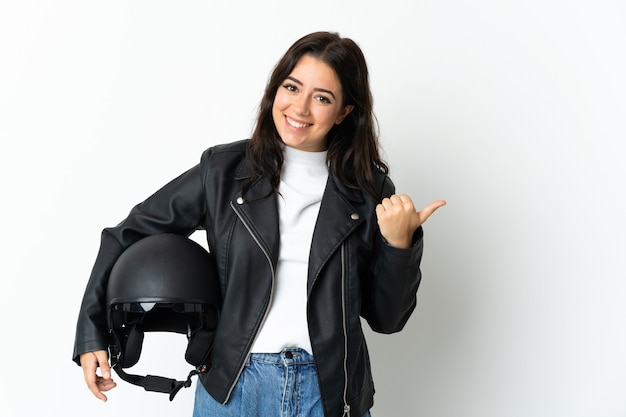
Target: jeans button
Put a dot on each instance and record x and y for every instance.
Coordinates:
(288, 355)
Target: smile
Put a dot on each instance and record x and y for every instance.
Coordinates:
(297, 125)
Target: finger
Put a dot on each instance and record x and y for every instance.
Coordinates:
(386, 203)
(426, 212)
(395, 201)
(407, 203)
(103, 361)
(89, 363)
(404, 198)
(379, 210)
(105, 385)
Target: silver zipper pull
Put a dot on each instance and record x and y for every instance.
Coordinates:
(346, 410)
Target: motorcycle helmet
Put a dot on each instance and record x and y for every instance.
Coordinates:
(162, 283)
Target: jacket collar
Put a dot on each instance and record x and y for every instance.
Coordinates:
(244, 171)
(337, 218)
(351, 194)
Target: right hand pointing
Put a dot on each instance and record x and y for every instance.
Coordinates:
(90, 361)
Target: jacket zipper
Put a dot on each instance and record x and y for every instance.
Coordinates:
(346, 406)
(232, 387)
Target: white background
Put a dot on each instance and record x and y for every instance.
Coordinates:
(512, 111)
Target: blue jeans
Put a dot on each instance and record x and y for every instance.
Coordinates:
(271, 385)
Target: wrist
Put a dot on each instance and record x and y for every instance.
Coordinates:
(398, 243)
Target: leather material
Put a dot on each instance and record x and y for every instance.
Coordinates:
(352, 272)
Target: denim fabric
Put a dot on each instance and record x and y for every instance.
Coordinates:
(271, 385)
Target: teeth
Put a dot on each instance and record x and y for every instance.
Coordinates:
(296, 124)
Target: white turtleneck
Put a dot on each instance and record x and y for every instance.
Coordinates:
(302, 184)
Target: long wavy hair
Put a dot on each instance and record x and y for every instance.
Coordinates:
(353, 148)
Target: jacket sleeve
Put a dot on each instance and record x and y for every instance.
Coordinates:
(178, 207)
(390, 293)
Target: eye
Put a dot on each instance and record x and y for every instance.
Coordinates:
(323, 99)
(290, 87)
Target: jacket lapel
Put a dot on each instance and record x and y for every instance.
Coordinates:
(259, 211)
(337, 218)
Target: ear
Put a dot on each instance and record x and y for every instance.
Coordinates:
(343, 114)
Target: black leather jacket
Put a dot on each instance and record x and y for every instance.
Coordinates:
(352, 272)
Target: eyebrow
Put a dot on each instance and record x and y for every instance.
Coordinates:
(323, 90)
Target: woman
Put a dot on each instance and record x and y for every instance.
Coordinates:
(308, 236)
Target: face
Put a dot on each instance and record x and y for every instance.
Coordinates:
(308, 104)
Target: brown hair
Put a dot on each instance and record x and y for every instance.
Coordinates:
(353, 148)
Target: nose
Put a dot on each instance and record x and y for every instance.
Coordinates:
(302, 105)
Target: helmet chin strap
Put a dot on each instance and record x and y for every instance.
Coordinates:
(157, 383)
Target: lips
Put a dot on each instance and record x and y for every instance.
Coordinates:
(295, 124)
